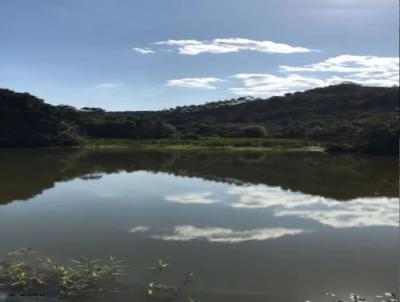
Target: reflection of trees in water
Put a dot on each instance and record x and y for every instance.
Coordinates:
(26, 173)
(252, 157)
(92, 176)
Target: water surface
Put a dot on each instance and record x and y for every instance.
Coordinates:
(252, 227)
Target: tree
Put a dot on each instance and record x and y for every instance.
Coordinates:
(26, 121)
(163, 130)
(253, 131)
(379, 139)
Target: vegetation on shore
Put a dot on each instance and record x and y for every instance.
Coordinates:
(212, 144)
(346, 117)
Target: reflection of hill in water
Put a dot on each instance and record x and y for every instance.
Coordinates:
(26, 173)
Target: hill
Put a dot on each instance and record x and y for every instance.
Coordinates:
(345, 116)
(26, 121)
(349, 116)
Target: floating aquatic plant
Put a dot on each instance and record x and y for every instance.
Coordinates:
(161, 265)
(86, 276)
(162, 290)
(24, 269)
(386, 297)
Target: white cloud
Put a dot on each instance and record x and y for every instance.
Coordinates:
(195, 47)
(139, 229)
(359, 212)
(269, 85)
(188, 232)
(110, 85)
(204, 83)
(192, 198)
(377, 82)
(358, 66)
(363, 70)
(143, 51)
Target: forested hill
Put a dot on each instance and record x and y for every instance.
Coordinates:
(348, 115)
(27, 121)
(340, 101)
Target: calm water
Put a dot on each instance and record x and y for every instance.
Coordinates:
(252, 227)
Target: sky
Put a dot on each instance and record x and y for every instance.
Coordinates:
(158, 54)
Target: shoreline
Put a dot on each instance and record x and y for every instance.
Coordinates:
(223, 145)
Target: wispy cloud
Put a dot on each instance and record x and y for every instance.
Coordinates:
(269, 85)
(192, 198)
(357, 66)
(224, 235)
(109, 85)
(143, 51)
(204, 83)
(363, 70)
(195, 47)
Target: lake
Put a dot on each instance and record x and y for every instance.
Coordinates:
(251, 227)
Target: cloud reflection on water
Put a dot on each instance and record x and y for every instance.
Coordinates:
(354, 213)
(264, 197)
(224, 235)
(359, 212)
(192, 198)
(139, 229)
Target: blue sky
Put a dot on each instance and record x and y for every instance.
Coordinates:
(155, 54)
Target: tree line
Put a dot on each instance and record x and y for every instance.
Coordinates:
(347, 117)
